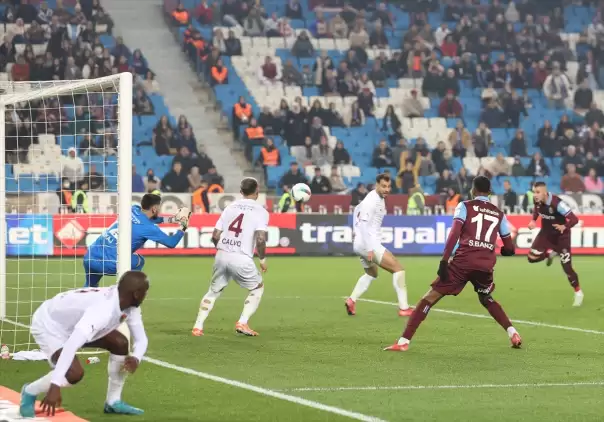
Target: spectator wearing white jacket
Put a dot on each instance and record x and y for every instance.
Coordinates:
(441, 33)
(72, 167)
(557, 87)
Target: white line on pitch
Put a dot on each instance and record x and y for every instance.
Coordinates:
(161, 299)
(515, 321)
(449, 387)
(266, 392)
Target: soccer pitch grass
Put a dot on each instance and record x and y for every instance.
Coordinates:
(460, 366)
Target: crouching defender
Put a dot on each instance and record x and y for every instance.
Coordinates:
(101, 256)
(88, 318)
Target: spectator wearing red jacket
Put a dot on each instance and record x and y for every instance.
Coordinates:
(449, 47)
(449, 107)
(204, 13)
(20, 71)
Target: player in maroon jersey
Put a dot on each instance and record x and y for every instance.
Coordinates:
(476, 224)
(553, 239)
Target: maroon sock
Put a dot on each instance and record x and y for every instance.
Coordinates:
(498, 314)
(538, 258)
(573, 278)
(417, 317)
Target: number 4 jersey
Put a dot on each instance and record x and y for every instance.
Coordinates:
(482, 222)
(239, 223)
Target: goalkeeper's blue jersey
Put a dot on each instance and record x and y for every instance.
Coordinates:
(143, 229)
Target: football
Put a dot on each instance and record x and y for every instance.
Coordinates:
(300, 192)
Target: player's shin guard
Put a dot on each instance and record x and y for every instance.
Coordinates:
(361, 286)
(573, 278)
(251, 305)
(206, 305)
(117, 378)
(39, 386)
(400, 287)
(417, 317)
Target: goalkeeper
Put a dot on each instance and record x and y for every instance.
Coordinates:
(101, 257)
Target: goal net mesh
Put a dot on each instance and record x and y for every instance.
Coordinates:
(61, 149)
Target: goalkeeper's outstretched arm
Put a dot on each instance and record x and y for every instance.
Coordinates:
(155, 234)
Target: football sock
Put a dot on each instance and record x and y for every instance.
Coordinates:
(251, 305)
(117, 378)
(538, 258)
(400, 287)
(511, 331)
(362, 286)
(39, 386)
(573, 278)
(498, 314)
(417, 317)
(206, 305)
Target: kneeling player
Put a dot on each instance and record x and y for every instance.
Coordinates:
(367, 224)
(242, 224)
(553, 239)
(101, 256)
(88, 318)
(476, 224)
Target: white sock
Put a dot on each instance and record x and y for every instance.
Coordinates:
(402, 340)
(511, 331)
(361, 287)
(117, 378)
(400, 287)
(579, 292)
(251, 305)
(39, 386)
(206, 305)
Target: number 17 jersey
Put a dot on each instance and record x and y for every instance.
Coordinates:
(482, 222)
(239, 223)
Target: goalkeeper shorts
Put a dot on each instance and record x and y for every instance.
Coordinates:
(105, 266)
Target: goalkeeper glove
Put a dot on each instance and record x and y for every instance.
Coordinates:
(443, 270)
(182, 216)
(507, 252)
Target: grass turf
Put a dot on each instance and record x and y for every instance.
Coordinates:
(307, 341)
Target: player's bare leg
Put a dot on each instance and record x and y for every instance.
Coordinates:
(249, 308)
(500, 316)
(417, 317)
(573, 277)
(205, 307)
(361, 287)
(29, 392)
(391, 264)
(118, 347)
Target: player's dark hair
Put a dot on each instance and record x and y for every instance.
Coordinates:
(482, 185)
(249, 186)
(539, 184)
(150, 200)
(382, 176)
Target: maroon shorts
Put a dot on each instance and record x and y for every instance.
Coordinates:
(459, 275)
(543, 243)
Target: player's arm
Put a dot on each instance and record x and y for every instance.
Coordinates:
(140, 340)
(508, 248)
(155, 234)
(451, 245)
(261, 237)
(218, 229)
(571, 219)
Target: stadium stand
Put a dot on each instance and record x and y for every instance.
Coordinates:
(55, 40)
(506, 89)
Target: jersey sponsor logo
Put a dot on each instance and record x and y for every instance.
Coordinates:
(485, 210)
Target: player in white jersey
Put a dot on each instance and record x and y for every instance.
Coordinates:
(88, 317)
(241, 226)
(367, 222)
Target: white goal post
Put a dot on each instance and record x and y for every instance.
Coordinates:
(34, 266)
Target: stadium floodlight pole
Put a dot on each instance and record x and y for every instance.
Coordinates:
(3, 224)
(124, 171)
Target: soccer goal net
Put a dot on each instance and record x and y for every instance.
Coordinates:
(65, 175)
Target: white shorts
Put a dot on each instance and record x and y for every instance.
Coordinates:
(233, 266)
(378, 254)
(48, 338)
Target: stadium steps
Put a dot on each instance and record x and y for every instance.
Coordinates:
(142, 25)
